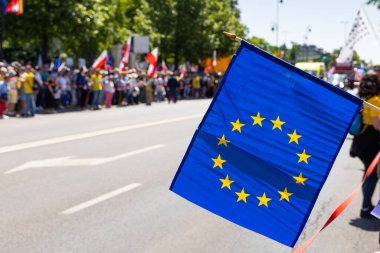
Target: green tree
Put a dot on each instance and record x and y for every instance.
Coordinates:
(191, 29)
(261, 43)
(222, 15)
(162, 16)
(293, 52)
(182, 29)
(79, 27)
(374, 2)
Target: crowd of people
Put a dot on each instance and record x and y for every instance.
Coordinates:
(25, 91)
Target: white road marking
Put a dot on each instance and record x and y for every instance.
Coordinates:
(99, 199)
(74, 137)
(68, 161)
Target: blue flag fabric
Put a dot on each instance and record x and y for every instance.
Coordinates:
(266, 145)
(4, 6)
(376, 211)
(110, 60)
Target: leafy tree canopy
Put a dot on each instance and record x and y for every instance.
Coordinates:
(182, 29)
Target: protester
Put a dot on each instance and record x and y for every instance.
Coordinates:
(173, 85)
(109, 88)
(96, 80)
(149, 87)
(12, 92)
(62, 89)
(45, 78)
(3, 95)
(28, 83)
(38, 85)
(160, 89)
(81, 89)
(366, 144)
(196, 85)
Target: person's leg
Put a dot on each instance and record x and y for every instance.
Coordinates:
(28, 109)
(11, 109)
(369, 186)
(32, 105)
(95, 99)
(2, 108)
(22, 106)
(368, 190)
(43, 98)
(101, 98)
(108, 99)
(175, 95)
(148, 98)
(78, 94)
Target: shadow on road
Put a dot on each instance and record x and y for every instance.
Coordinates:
(366, 224)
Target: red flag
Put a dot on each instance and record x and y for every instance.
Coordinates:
(101, 60)
(152, 59)
(163, 66)
(127, 48)
(15, 6)
(183, 71)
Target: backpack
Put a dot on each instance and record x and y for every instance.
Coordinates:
(357, 127)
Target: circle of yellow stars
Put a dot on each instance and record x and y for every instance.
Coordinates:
(242, 195)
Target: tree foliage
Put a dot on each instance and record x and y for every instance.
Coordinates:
(182, 29)
(374, 2)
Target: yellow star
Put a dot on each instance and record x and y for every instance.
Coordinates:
(277, 123)
(285, 195)
(226, 182)
(263, 200)
(218, 162)
(300, 179)
(242, 196)
(223, 141)
(303, 157)
(257, 120)
(294, 137)
(237, 125)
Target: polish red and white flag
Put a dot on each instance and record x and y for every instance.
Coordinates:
(101, 60)
(125, 59)
(152, 58)
(183, 71)
(163, 66)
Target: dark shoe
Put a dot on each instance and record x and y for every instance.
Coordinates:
(366, 214)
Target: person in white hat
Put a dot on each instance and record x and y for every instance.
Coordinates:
(12, 79)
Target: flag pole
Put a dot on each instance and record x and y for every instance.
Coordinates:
(373, 107)
(232, 36)
(238, 39)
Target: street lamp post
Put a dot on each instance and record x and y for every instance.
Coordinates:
(277, 21)
(308, 30)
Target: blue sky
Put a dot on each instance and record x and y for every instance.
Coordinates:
(329, 21)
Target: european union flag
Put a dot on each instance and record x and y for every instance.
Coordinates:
(266, 145)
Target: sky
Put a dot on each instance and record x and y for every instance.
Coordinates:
(329, 21)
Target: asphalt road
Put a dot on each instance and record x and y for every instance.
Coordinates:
(99, 182)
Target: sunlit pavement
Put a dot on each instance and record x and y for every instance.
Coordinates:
(98, 182)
